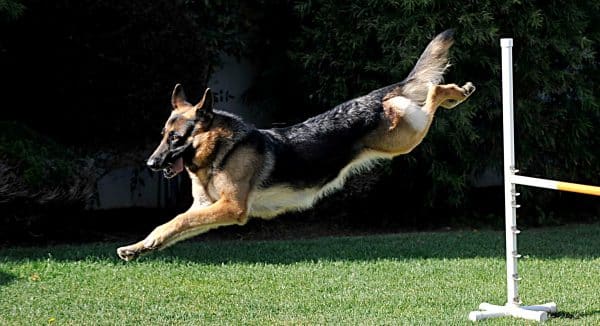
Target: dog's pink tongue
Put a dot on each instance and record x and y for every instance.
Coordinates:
(178, 165)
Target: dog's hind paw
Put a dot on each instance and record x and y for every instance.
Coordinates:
(468, 89)
(463, 94)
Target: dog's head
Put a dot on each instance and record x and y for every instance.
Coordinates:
(186, 121)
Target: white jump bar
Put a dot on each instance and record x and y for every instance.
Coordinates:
(533, 182)
(555, 185)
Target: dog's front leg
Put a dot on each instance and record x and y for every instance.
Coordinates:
(225, 211)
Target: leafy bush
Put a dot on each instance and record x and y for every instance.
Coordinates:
(37, 174)
(101, 71)
(349, 48)
(10, 9)
(39, 160)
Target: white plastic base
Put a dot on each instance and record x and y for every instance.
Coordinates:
(538, 312)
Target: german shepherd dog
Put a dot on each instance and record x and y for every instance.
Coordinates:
(239, 171)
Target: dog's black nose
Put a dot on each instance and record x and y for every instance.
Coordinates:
(153, 163)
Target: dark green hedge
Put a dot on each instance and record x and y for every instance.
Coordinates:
(10, 9)
(39, 177)
(349, 48)
(99, 72)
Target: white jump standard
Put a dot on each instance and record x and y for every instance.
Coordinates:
(513, 305)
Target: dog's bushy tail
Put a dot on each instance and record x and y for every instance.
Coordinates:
(430, 68)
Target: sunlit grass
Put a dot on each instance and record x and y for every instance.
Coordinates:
(413, 278)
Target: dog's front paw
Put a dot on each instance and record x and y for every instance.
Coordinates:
(127, 254)
(157, 238)
(131, 252)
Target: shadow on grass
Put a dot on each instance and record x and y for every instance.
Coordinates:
(574, 315)
(6, 278)
(578, 241)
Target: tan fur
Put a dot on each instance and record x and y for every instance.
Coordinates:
(205, 143)
(221, 201)
(428, 71)
(395, 136)
(223, 198)
(393, 114)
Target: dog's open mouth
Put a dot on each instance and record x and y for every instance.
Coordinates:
(173, 169)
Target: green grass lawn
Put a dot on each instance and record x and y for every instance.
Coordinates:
(411, 278)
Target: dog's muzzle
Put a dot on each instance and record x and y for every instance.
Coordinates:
(173, 169)
(171, 163)
(153, 164)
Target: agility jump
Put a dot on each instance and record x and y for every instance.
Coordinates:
(513, 305)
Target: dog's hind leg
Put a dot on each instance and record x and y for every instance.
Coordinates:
(407, 122)
(453, 94)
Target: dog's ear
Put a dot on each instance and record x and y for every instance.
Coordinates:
(178, 98)
(206, 103)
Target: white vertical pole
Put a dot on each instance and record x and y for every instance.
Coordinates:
(513, 303)
(510, 206)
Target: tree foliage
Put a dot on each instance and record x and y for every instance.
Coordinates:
(101, 71)
(349, 48)
(38, 176)
(10, 9)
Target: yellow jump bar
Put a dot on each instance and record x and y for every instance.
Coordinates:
(575, 187)
(556, 185)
